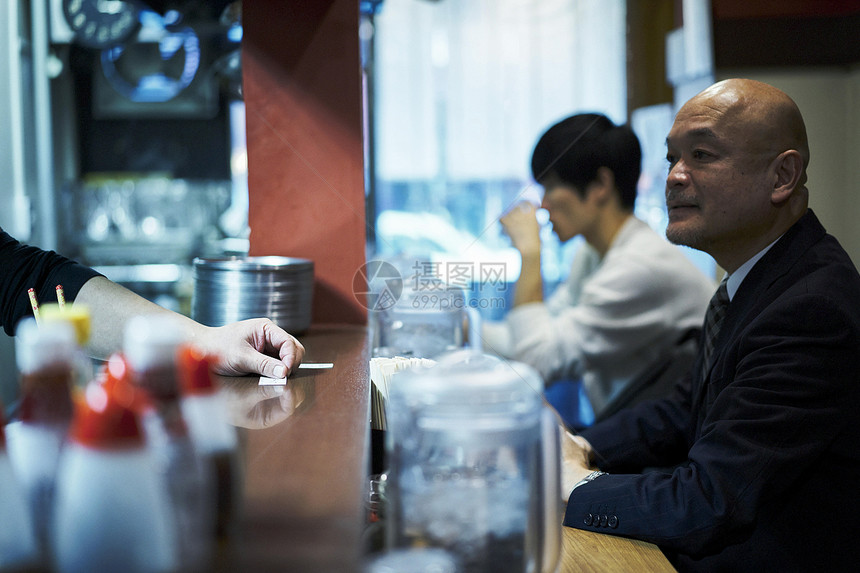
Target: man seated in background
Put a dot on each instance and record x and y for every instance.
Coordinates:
(630, 293)
(764, 432)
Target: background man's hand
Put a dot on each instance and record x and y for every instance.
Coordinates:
(521, 225)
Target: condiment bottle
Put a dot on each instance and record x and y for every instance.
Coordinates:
(150, 345)
(112, 511)
(205, 411)
(46, 357)
(79, 317)
(18, 549)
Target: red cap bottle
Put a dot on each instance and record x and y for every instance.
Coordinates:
(112, 509)
(18, 548)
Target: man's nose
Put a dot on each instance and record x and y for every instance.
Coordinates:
(677, 175)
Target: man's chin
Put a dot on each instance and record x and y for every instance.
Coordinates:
(679, 235)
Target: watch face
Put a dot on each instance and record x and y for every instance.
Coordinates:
(101, 23)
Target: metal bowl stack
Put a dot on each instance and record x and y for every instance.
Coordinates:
(231, 289)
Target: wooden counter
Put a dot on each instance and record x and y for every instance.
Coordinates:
(306, 462)
(306, 458)
(589, 552)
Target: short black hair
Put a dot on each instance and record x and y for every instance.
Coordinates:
(572, 150)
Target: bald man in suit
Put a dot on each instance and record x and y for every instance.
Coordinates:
(764, 436)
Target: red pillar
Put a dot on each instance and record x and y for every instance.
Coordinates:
(303, 101)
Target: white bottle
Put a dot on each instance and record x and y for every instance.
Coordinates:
(112, 511)
(46, 357)
(18, 549)
(151, 344)
(205, 411)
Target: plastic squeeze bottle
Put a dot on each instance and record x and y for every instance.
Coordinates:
(46, 358)
(151, 344)
(205, 412)
(112, 510)
(18, 549)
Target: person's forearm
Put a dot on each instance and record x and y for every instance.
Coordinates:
(110, 306)
(529, 286)
(252, 346)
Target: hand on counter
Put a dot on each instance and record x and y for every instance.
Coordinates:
(576, 456)
(250, 346)
(254, 346)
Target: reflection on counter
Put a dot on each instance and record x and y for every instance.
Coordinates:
(254, 406)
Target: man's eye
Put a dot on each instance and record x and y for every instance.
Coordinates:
(699, 154)
(671, 159)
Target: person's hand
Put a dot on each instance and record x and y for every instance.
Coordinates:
(521, 225)
(575, 461)
(254, 346)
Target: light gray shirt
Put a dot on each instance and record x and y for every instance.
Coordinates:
(612, 318)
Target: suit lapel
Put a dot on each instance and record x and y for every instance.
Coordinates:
(754, 293)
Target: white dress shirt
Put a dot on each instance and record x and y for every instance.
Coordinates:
(611, 318)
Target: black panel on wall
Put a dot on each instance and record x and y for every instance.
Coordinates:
(787, 41)
(186, 138)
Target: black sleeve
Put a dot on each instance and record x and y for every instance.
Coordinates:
(23, 267)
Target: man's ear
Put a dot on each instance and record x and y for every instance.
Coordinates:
(787, 174)
(603, 184)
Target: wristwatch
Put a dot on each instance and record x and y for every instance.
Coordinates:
(589, 478)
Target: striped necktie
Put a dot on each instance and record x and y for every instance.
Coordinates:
(713, 321)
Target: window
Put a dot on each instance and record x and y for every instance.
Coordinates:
(461, 92)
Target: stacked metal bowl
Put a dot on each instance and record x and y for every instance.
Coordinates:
(235, 288)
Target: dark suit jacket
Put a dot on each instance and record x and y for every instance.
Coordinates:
(769, 442)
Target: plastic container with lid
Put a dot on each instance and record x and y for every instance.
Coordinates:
(151, 346)
(205, 411)
(47, 358)
(473, 459)
(18, 548)
(203, 405)
(425, 321)
(413, 560)
(78, 316)
(112, 509)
